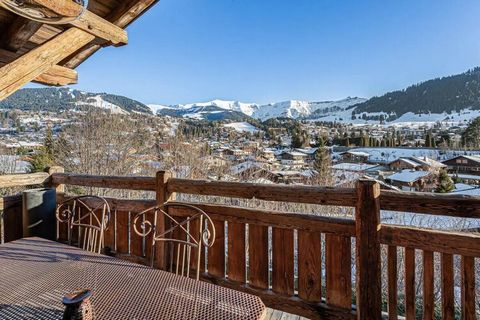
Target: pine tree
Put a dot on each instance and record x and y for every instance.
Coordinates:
(44, 157)
(445, 183)
(322, 162)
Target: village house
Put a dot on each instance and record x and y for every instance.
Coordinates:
(463, 165)
(412, 180)
(415, 163)
(292, 158)
(355, 156)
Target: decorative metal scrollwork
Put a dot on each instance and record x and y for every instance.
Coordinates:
(30, 9)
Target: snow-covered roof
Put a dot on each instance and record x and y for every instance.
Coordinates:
(465, 189)
(465, 176)
(408, 175)
(354, 167)
(241, 167)
(295, 153)
(357, 153)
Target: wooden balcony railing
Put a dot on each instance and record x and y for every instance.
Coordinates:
(314, 266)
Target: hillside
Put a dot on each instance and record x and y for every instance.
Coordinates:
(442, 95)
(52, 99)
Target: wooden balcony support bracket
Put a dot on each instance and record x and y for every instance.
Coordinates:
(369, 289)
(40, 60)
(88, 21)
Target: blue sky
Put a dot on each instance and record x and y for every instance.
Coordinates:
(271, 50)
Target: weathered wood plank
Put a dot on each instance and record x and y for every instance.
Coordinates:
(431, 203)
(338, 271)
(124, 14)
(468, 288)
(55, 76)
(307, 222)
(369, 282)
(34, 63)
(299, 194)
(88, 21)
(448, 302)
(122, 232)
(392, 280)
(410, 296)
(18, 180)
(112, 182)
(18, 33)
(310, 266)
(431, 240)
(216, 253)
(428, 286)
(258, 256)
(282, 261)
(289, 304)
(236, 252)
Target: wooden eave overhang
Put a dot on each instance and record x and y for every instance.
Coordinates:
(48, 54)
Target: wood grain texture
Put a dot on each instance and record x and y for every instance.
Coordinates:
(289, 304)
(34, 63)
(300, 194)
(431, 240)
(258, 256)
(307, 222)
(111, 182)
(310, 266)
(428, 286)
(18, 33)
(19, 180)
(468, 288)
(392, 260)
(216, 253)
(282, 261)
(236, 252)
(448, 302)
(125, 13)
(338, 266)
(431, 203)
(369, 282)
(410, 296)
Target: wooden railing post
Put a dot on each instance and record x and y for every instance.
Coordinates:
(51, 170)
(162, 196)
(367, 216)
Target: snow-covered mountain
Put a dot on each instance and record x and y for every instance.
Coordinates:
(245, 108)
(53, 99)
(304, 109)
(288, 109)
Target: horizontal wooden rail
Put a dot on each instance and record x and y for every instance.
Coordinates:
(111, 182)
(462, 243)
(298, 193)
(19, 180)
(463, 206)
(308, 222)
(127, 205)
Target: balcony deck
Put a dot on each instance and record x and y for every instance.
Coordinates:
(299, 264)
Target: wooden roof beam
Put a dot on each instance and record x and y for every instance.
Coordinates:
(55, 76)
(19, 32)
(122, 16)
(40, 60)
(88, 21)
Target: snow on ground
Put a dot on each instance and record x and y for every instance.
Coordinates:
(98, 102)
(156, 107)
(242, 127)
(384, 155)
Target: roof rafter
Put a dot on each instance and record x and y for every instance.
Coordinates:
(19, 32)
(87, 21)
(40, 60)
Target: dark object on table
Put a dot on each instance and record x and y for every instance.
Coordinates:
(39, 213)
(78, 306)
